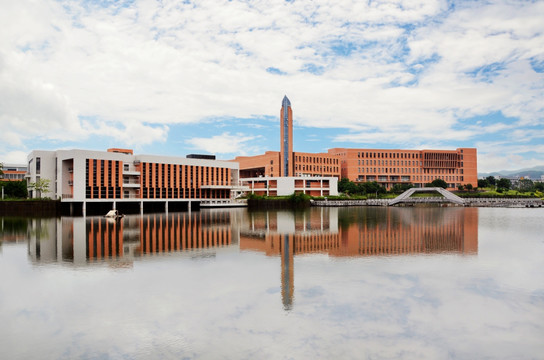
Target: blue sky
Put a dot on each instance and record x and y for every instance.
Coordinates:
(171, 77)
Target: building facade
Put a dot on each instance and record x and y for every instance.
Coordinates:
(304, 164)
(387, 167)
(283, 186)
(118, 174)
(418, 167)
(13, 172)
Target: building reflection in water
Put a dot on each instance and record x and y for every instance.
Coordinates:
(84, 241)
(338, 232)
(371, 231)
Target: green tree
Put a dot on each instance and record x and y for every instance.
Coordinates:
(41, 186)
(437, 183)
(343, 185)
(504, 184)
(526, 185)
(460, 188)
(469, 187)
(15, 189)
(491, 180)
(400, 188)
(375, 188)
(483, 183)
(539, 186)
(1, 170)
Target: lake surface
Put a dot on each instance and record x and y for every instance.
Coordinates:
(329, 283)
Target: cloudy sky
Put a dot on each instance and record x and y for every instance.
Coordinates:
(176, 77)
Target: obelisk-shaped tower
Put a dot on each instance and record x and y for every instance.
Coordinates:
(286, 150)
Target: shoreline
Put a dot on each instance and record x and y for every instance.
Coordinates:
(55, 208)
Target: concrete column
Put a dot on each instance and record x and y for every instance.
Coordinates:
(166, 207)
(321, 186)
(141, 207)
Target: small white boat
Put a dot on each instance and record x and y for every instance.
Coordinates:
(113, 214)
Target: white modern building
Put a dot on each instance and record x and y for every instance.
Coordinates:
(13, 172)
(117, 175)
(283, 186)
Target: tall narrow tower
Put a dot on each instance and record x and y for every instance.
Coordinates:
(286, 152)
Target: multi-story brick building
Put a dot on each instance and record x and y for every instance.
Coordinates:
(304, 164)
(419, 167)
(387, 167)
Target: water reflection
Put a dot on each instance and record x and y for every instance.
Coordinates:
(84, 241)
(337, 232)
(383, 281)
(357, 232)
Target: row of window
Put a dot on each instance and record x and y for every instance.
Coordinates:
(108, 169)
(171, 175)
(184, 193)
(442, 156)
(409, 170)
(316, 160)
(12, 176)
(326, 169)
(390, 162)
(382, 178)
(389, 155)
(102, 192)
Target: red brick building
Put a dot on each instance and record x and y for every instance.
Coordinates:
(387, 167)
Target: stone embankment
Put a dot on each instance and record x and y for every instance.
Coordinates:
(471, 202)
(333, 203)
(503, 202)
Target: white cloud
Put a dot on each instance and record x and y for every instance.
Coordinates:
(226, 143)
(15, 157)
(387, 65)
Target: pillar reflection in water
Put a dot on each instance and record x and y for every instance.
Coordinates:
(357, 232)
(337, 232)
(84, 241)
(287, 273)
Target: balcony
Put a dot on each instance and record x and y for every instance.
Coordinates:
(131, 184)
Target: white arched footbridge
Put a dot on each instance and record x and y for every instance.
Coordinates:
(405, 196)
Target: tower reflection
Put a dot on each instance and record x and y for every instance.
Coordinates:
(356, 232)
(337, 232)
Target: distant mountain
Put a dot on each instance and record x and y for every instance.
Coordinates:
(533, 173)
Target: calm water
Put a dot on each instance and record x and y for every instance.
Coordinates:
(348, 283)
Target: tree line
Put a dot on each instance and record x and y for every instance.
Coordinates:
(374, 188)
(347, 186)
(19, 189)
(523, 185)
